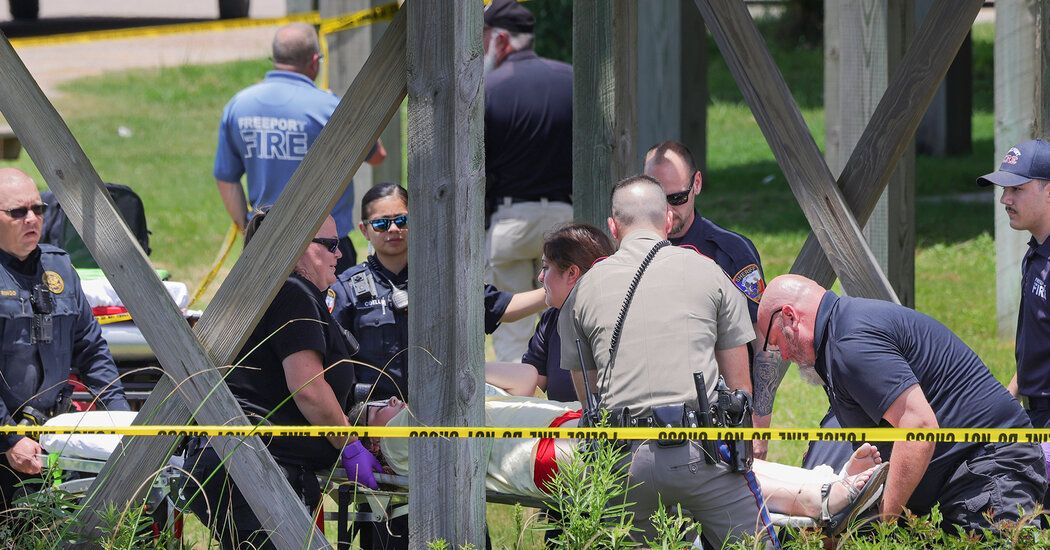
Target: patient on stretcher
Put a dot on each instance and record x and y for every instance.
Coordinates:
(523, 466)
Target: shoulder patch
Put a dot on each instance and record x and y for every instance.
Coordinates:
(749, 281)
(54, 282)
(329, 300)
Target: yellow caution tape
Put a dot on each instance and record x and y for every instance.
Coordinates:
(312, 18)
(942, 435)
(114, 318)
(220, 259)
(347, 22)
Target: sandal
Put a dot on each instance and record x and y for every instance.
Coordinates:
(858, 501)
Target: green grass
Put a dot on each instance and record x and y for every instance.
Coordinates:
(173, 114)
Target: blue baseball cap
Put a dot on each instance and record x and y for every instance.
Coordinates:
(1023, 162)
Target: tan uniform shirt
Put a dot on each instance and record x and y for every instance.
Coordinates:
(683, 310)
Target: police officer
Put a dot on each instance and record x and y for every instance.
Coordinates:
(684, 316)
(883, 364)
(528, 157)
(267, 128)
(47, 329)
(371, 300)
(1024, 175)
(671, 163)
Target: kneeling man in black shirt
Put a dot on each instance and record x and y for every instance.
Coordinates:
(882, 364)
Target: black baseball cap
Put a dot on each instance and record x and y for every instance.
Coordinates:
(1023, 162)
(509, 15)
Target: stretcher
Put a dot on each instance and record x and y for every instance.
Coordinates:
(356, 503)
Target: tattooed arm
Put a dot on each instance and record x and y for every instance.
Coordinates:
(768, 372)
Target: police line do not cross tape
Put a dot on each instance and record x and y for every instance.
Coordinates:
(938, 435)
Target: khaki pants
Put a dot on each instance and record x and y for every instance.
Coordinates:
(514, 246)
(724, 503)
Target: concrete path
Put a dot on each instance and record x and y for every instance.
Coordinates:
(53, 64)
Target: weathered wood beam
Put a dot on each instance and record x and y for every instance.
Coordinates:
(867, 43)
(85, 201)
(1022, 112)
(243, 297)
(892, 125)
(446, 160)
(694, 96)
(604, 82)
(778, 116)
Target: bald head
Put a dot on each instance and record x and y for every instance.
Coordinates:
(295, 48)
(794, 290)
(19, 227)
(638, 203)
(14, 176)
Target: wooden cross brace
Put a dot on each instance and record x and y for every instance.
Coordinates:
(242, 299)
(837, 241)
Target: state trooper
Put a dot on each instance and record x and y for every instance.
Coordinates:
(46, 329)
(643, 351)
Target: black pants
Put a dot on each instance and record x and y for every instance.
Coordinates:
(349, 258)
(222, 507)
(997, 479)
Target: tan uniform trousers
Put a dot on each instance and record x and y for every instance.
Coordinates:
(514, 246)
(722, 502)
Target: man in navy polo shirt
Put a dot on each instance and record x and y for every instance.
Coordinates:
(883, 364)
(1024, 175)
(528, 158)
(671, 163)
(267, 128)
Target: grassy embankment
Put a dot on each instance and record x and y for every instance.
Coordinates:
(173, 115)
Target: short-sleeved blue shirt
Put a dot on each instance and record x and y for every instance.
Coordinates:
(733, 252)
(265, 132)
(1033, 323)
(544, 353)
(870, 351)
(528, 128)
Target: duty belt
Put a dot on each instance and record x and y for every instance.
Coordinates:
(1035, 403)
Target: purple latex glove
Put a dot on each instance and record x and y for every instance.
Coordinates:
(361, 465)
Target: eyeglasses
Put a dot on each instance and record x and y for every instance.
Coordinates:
(679, 198)
(23, 211)
(331, 244)
(765, 345)
(373, 406)
(383, 224)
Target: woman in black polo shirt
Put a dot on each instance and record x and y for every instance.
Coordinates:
(293, 370)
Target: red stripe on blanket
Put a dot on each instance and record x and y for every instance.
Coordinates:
(546, 467)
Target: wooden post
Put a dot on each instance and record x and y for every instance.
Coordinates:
(693, 80)
(793, 146)
(1022, 112)
(659, 78)
(893, 124)
(946, 128)
(85, 201)
(261, 270)
(603, 103)
(446, 159)
(347, 52)
(864, 43)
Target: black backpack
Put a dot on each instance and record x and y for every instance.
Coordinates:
(59, 232)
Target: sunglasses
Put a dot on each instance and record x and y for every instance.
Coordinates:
(331, 244)
(23, 211)
(383, 224)
(679, 198)
(765, 345)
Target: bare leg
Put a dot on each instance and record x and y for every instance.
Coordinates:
(795, 491)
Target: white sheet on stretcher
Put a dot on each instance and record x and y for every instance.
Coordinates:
(87, 446)
(100, 293)
(511, 462)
